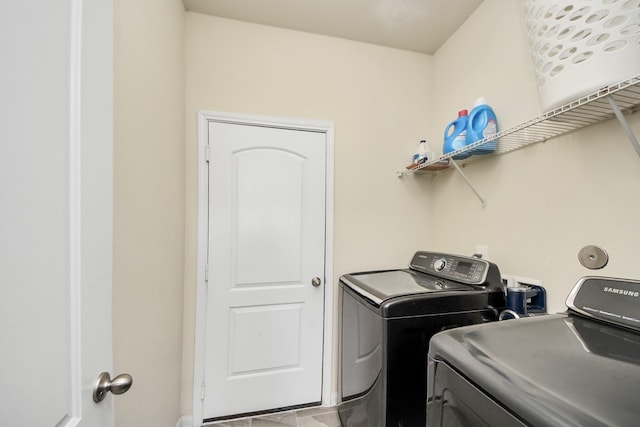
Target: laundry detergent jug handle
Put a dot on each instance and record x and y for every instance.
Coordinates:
(483, 124)
(478, 119)
(446, 130)
(456, 139)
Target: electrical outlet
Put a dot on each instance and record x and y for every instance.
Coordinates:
(526, 281)
(511, 280)
(483, 251)
(508, 280)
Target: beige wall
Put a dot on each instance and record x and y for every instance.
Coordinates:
(543, 202)
(148, 209)
(379, 100)
(546, 201)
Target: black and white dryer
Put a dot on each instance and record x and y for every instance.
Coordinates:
(578, 368)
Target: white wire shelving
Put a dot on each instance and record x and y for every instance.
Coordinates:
(612, 101)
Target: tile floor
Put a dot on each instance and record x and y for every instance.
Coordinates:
(309, 417)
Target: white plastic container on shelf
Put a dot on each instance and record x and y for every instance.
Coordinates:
(422, 154)
(580, 46)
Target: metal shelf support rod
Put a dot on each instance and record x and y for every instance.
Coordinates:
(484, 204)
(624, 123)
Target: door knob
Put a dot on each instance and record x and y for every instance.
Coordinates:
(105, 384)
(316, 281)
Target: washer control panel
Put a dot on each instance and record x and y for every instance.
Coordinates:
(463, 269)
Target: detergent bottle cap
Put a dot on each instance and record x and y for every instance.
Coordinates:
(480, 101)
(463, 113)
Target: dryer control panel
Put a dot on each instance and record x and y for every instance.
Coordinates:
(469, 270)
(612, 300)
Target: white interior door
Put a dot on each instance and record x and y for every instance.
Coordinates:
(55, 211)
(264, 339)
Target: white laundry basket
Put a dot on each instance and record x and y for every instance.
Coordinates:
(580, 46)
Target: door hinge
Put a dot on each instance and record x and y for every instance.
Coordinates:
(202, 392)
(207, 153)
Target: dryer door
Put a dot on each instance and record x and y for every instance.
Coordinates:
(454, 401)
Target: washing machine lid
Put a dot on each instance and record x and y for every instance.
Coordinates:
(550, 370)
(380, 286)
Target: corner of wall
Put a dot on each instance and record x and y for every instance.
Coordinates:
(148, 269)
(185, 421)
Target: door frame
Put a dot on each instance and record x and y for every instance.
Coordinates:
(204, 118)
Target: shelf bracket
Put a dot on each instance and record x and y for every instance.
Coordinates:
(484, 204)
(624, 123)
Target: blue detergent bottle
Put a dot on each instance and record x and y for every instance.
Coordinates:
(455, 135)
(482, 124)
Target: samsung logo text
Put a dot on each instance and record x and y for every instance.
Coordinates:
(622, 292)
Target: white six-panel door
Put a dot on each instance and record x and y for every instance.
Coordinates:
(264, 315)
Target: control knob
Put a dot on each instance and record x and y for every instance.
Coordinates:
(440, 264)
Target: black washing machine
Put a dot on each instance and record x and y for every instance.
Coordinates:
(387, 320)
(578, 368)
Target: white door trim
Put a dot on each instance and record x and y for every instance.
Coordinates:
(94, 202)
(75, 231)
(204, 118)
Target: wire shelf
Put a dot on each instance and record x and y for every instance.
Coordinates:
(593, 108)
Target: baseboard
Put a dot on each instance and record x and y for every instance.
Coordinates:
(185, 421)
(333, 400)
